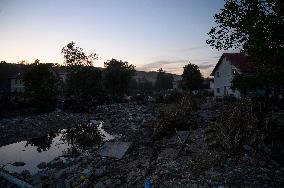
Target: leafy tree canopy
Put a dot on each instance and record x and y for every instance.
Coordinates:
(164, 80)
(116, 77)
(40, 85)
(84, 85)
(257, 28)
(191, 77)
(75, 56)
(245, 82)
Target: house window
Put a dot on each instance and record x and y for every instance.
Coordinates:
(218, 90)
(218, 74)
(234, 71)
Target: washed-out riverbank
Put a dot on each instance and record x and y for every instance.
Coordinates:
(186, 161)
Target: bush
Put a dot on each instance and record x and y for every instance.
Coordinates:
(177, 116)
(248, 122)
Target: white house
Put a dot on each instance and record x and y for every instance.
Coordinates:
(17, 83)
(229, 65)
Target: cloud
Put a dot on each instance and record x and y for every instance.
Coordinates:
(189, 49)
(161, 64)
(206, 65)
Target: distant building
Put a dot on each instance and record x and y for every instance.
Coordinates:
(17, 83)
(152, 77)
(177, 82)
(229, 65)
(211, 84)
(208, 84)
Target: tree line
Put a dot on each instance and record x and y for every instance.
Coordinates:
(86, 85)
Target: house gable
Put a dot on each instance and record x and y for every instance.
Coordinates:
(224, 73)
(239, 60)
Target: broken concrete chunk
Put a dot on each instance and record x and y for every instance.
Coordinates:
(95, 122)
(247, 147)
(88, 172)
(59, 174)
(183, 135)
(114, 149)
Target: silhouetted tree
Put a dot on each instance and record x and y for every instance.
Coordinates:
(144, 86)
(116, 77)
(191, 78)
(257, 28)
(40, 85)
(74, 56)
(84, 85)
(164, 80)
(245, 83)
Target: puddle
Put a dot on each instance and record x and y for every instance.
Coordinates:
(106, 136)
(44, 149)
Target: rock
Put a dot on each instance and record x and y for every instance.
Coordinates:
(262, 163)
(72, 169)
(25, 173)
(18, 164)
(168, 153)
(88, 172)
(183, 136)
(36, 179)
(266, 149)
(212, 173)
(108, 183)
(114, 149)
(99, 185)
(247, 147)
(100, 172)
(55, 163)
(42, 165)
(59, 174)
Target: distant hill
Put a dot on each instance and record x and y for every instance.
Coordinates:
(8, 70)
(152, 76)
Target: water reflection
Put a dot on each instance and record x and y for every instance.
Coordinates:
(69, 141)
(42, 143)
(82, 136)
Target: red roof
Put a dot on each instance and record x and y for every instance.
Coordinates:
(239, 60)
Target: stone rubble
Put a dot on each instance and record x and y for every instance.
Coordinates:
(166, 162)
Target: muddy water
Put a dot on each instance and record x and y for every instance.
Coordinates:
(44, 149)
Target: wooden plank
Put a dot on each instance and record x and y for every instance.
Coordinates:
(14, 180)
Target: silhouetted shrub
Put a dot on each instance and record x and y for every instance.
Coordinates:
(177, 116)
(247, 122)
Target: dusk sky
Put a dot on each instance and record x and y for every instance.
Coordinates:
(147, 33)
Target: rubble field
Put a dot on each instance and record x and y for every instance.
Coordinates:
(134, 156)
